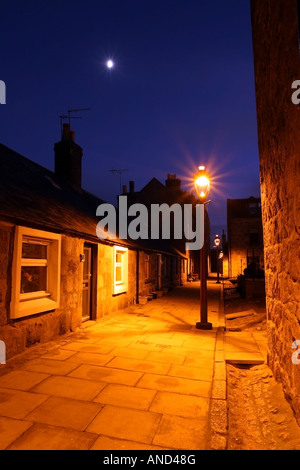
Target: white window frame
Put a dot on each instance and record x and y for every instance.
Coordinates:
(26, 304)
(121, 286)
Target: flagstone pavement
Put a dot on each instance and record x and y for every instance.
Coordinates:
(144, 378)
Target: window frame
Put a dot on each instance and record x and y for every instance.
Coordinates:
(31, 303)
(121, 286)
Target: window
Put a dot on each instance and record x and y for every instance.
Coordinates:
(255, 208)
(36, 272)
(120, 270)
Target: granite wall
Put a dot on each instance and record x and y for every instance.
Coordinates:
(277, 66)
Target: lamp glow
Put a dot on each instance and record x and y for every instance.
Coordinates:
(202, 183)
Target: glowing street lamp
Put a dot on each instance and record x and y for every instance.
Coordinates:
(217, 242)
(202, 186)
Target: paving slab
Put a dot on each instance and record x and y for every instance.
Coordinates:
(200, 343)
(198, 372)
(91, 358)
(10, 430)
(175, 384)
(48, 366)
(105, 443)
(65, 412)
(187, 406)
(124, 396)
(21, 379)
(70, 387)
(106, 374)
(44, 437)
(181, 433)
(85, 347)
(125, 423)
(139, 365)
(17, 404)
(129, 352)
(166, 357)
(58, 354)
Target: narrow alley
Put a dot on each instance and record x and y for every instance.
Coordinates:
(141, 379)
(147, 379)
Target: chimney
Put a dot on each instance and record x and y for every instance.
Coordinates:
(173, 183)
(131, 187)
(68, 157)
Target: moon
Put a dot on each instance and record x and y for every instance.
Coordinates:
(110, 64)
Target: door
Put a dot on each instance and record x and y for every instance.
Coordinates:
(87, 284)
(158, 278)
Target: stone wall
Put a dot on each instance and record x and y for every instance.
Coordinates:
(19, 334)
(277, 65)
(108, 303)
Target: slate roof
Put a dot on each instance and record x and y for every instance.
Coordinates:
(33, 196)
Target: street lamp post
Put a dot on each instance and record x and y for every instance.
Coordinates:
(202, 186)
(217, 242)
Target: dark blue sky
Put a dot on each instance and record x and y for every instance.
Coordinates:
(181, 93)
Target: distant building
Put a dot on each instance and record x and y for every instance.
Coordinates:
(245, 236)
(171, 193)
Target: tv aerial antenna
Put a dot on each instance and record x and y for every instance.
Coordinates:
(70, 116)
(118, 172)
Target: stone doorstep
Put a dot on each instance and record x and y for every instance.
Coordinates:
(242, 348)
(233, 316)
(245, 359)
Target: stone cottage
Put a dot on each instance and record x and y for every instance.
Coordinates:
(55, 272)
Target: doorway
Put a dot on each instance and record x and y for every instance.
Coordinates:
(158, 272)
(87, 284)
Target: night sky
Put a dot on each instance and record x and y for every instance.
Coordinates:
(181, 93)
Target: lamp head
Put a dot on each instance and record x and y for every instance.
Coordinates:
(217, 241)
(202, 183)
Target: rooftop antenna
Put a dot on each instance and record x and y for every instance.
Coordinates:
(69, 116)
(118, 172)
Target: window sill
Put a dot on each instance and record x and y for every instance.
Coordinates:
(32, 307)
